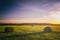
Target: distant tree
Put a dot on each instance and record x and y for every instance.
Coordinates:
(47, 29)
(9, 29)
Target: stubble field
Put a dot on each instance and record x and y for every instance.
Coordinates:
(30, 32)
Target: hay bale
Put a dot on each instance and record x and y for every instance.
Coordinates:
(47, 29)
(9, 29)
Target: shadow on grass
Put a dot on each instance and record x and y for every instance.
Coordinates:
(2, 32)
(23, 35)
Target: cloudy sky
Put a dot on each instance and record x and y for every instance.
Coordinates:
(30, 11)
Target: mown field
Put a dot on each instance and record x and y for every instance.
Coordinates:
(29, 32)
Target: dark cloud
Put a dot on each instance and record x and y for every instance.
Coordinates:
(5, 5)
(8, 4)
(39, 0)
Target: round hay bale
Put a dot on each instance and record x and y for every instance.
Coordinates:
(48, 29)
(9, 29)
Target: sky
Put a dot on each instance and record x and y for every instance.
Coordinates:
(30, 11)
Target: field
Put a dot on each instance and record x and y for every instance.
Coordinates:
(30, 32)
